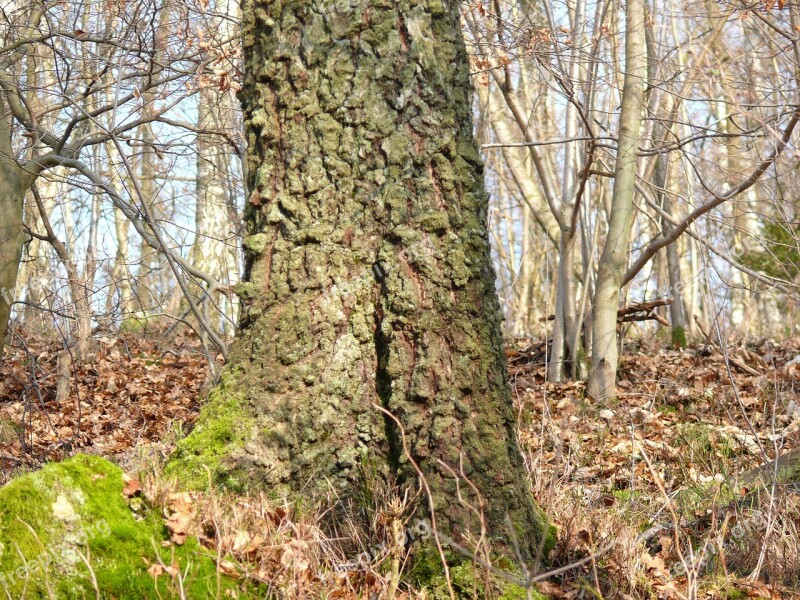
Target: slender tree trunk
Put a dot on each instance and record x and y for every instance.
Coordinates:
(658, 102)
(677, 317)
(12, 238)
(524, 284)
(35, 270)
(149, 292)
(519, 165)
(368, 279)
(603, 376)
(566, 319)
(214, 249)
(13, 184)
(152, 284)
(120, 273)
(564, 322)
(122, 302)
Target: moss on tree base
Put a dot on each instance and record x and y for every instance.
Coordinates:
(209, 454)
(678, 337)
(70, 523)
(467, 578)
(67, 531)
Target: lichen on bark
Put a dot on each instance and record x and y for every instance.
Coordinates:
(368, 278)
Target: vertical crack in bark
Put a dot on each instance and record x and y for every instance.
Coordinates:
(383, 382)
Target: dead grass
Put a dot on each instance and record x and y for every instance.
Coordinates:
(645, 474)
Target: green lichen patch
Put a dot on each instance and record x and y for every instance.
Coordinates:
(256, 243)
(67, 532)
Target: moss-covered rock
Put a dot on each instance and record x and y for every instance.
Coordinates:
(69, 524)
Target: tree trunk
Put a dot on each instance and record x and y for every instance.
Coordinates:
(603, 376)
(120, 274)
(676, 314)
(565, 330)
(155, 292)
(34, 271)
(564, 323)
(12, 239)
(214, 249)
(13, 184)
(368, 279)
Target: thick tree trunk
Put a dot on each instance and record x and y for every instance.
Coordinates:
(603, 376)
(368, 280)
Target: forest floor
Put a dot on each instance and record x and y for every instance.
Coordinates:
(634, 486)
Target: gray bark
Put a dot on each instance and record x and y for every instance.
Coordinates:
(611, 268)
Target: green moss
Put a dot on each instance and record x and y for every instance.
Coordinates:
(69, 513)
(467, 579)
(551, 538)
(722, 587)
(698, 499)
(8, 431)
(679, 337)
(581, 364)
(221, 428)
(626, 495)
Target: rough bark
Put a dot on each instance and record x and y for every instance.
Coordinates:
(368, 279)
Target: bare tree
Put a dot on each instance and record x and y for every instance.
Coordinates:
(603, 377)
(99, 105)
